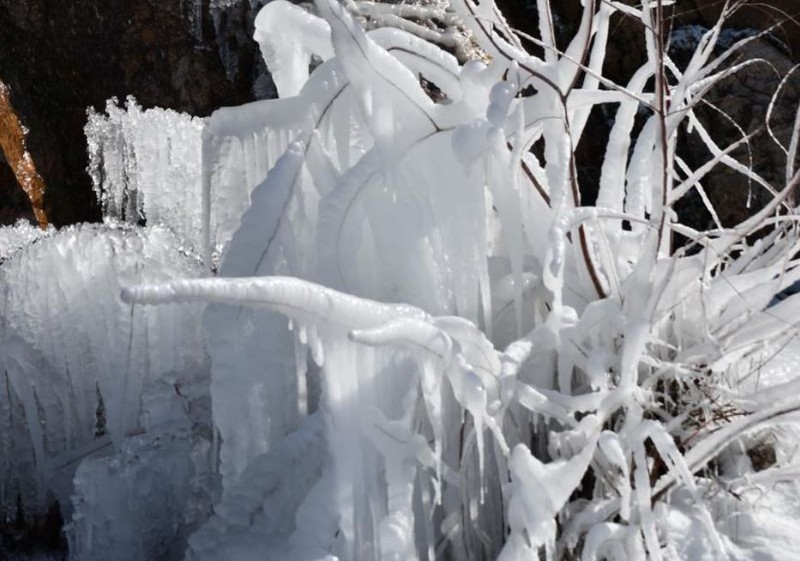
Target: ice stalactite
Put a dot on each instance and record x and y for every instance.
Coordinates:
(141, 161)
(371, 436)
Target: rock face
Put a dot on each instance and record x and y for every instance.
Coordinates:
(744, 99)
(58, 59)
(756, 15)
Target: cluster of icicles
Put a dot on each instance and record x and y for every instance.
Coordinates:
(370, 430)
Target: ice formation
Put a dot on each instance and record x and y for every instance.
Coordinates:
(77, 361)
(141, 161)
(422, 345)
(435, 440)
(22, 234)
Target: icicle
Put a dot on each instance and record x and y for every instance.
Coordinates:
(315, 345)
(152, 159)
(610, 445)
(288, 35)
(474, 395)
(301, 373)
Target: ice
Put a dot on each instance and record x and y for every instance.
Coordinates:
(130, 506)
(16, 238)
(611, 447)
(354, 209)
(405, 238)
(197, 162)
(299, 300)
(351, 438)
(69, 341)
(144, 500)
(540, 490)
(141, 161)
(288, 36)
(257, 514)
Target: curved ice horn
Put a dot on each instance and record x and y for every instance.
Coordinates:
(292, 297)
(408, 331)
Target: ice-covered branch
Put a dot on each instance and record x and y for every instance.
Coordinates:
(295, 298)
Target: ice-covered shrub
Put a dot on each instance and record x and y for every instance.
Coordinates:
(498, 370)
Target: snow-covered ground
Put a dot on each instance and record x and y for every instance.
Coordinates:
(755, 503)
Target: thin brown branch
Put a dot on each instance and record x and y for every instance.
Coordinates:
(12, 142)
